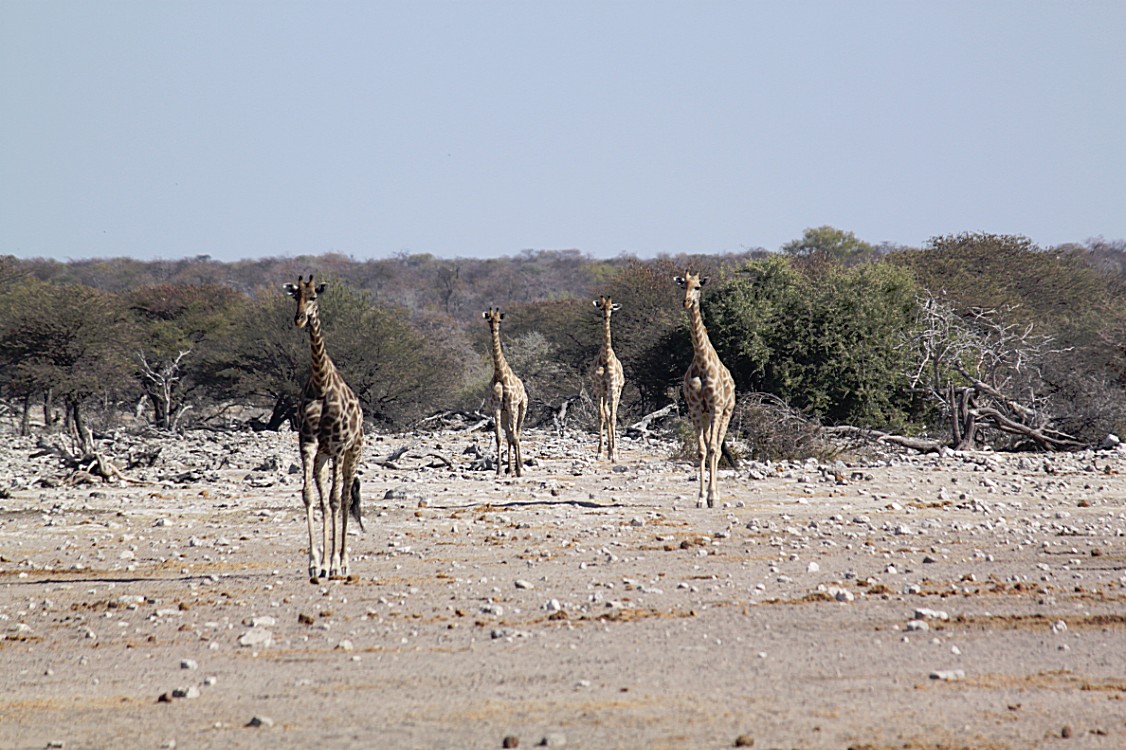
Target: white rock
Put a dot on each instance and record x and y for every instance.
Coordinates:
(948, 675)
(256, 637)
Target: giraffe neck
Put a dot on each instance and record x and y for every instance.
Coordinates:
(323, 367)
(499, 361)
(607, 348)
(701, 344)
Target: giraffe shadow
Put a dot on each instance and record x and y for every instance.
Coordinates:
(127, 579)
(530, 504)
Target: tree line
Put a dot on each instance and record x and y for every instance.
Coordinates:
(972, 339)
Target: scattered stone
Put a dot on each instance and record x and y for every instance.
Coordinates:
(188, 692)
(930, 614)
(260, 721)
(949, 675)
(553, 739)
(188, 664)
(520, 584)
(256, 637)
(744, 740)
(510, 740)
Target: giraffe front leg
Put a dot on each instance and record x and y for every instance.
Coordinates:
(701, 461)
(601, 424)
(714, 450)
(332, 546)
(496, 421)
(612, 432)
(326, 547)
(308, 463)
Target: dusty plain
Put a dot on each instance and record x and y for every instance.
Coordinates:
(932, 602)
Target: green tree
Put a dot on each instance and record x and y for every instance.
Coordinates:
(829, 243)
(830, 342)
(396, 370)
(67, 342)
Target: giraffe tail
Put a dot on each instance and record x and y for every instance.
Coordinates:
(354, 507)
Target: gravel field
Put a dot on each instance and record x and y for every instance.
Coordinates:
(969, 600)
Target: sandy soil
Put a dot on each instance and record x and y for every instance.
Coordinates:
(971, 600)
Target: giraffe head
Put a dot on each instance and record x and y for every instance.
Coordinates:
(691, 283)
(494, 316)
(606, 305)
(305, 292)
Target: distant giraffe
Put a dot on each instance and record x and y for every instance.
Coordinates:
(330, 427)
(709, 390)
(507, 399)
(608, 379)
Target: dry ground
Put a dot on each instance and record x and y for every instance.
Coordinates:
(974, 601)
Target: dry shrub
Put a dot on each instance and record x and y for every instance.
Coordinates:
(772, 430)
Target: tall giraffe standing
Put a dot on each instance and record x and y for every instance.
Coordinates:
(608, 379)
(709, 389)
(330, 427)
(507, 398)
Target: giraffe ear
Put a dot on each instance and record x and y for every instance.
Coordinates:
(680, 282)
(502, 316)
(485, 315)
(290, 289)
(321, 288)
(703, 280)
(595, 303)
(615, 307)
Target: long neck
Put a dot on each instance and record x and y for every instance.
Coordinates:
(606, 346)
(322, 365)
(498, 356)
(701, 344)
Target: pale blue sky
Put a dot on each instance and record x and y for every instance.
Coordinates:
(481, 129)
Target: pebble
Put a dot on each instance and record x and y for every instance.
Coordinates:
(553, 739)
(930, 614)
(949, 675)
(260, 721)
(256, 637)
(188, 664)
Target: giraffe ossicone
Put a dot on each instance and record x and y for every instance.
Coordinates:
(330, 427)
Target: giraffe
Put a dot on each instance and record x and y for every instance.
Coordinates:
(608, 379)
(330, 428)
(709, 390)
(508, 400)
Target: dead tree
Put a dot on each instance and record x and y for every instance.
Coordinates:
(984, 373)
(160, 383)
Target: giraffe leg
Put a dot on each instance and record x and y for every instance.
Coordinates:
(500, 427)
(724, 418)
(715, 440)
(612, 430)
(333, 545)
(308, 462)
(701, 459)
(326, 548)
(517, 428)
(601, 422)
(349, 478)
